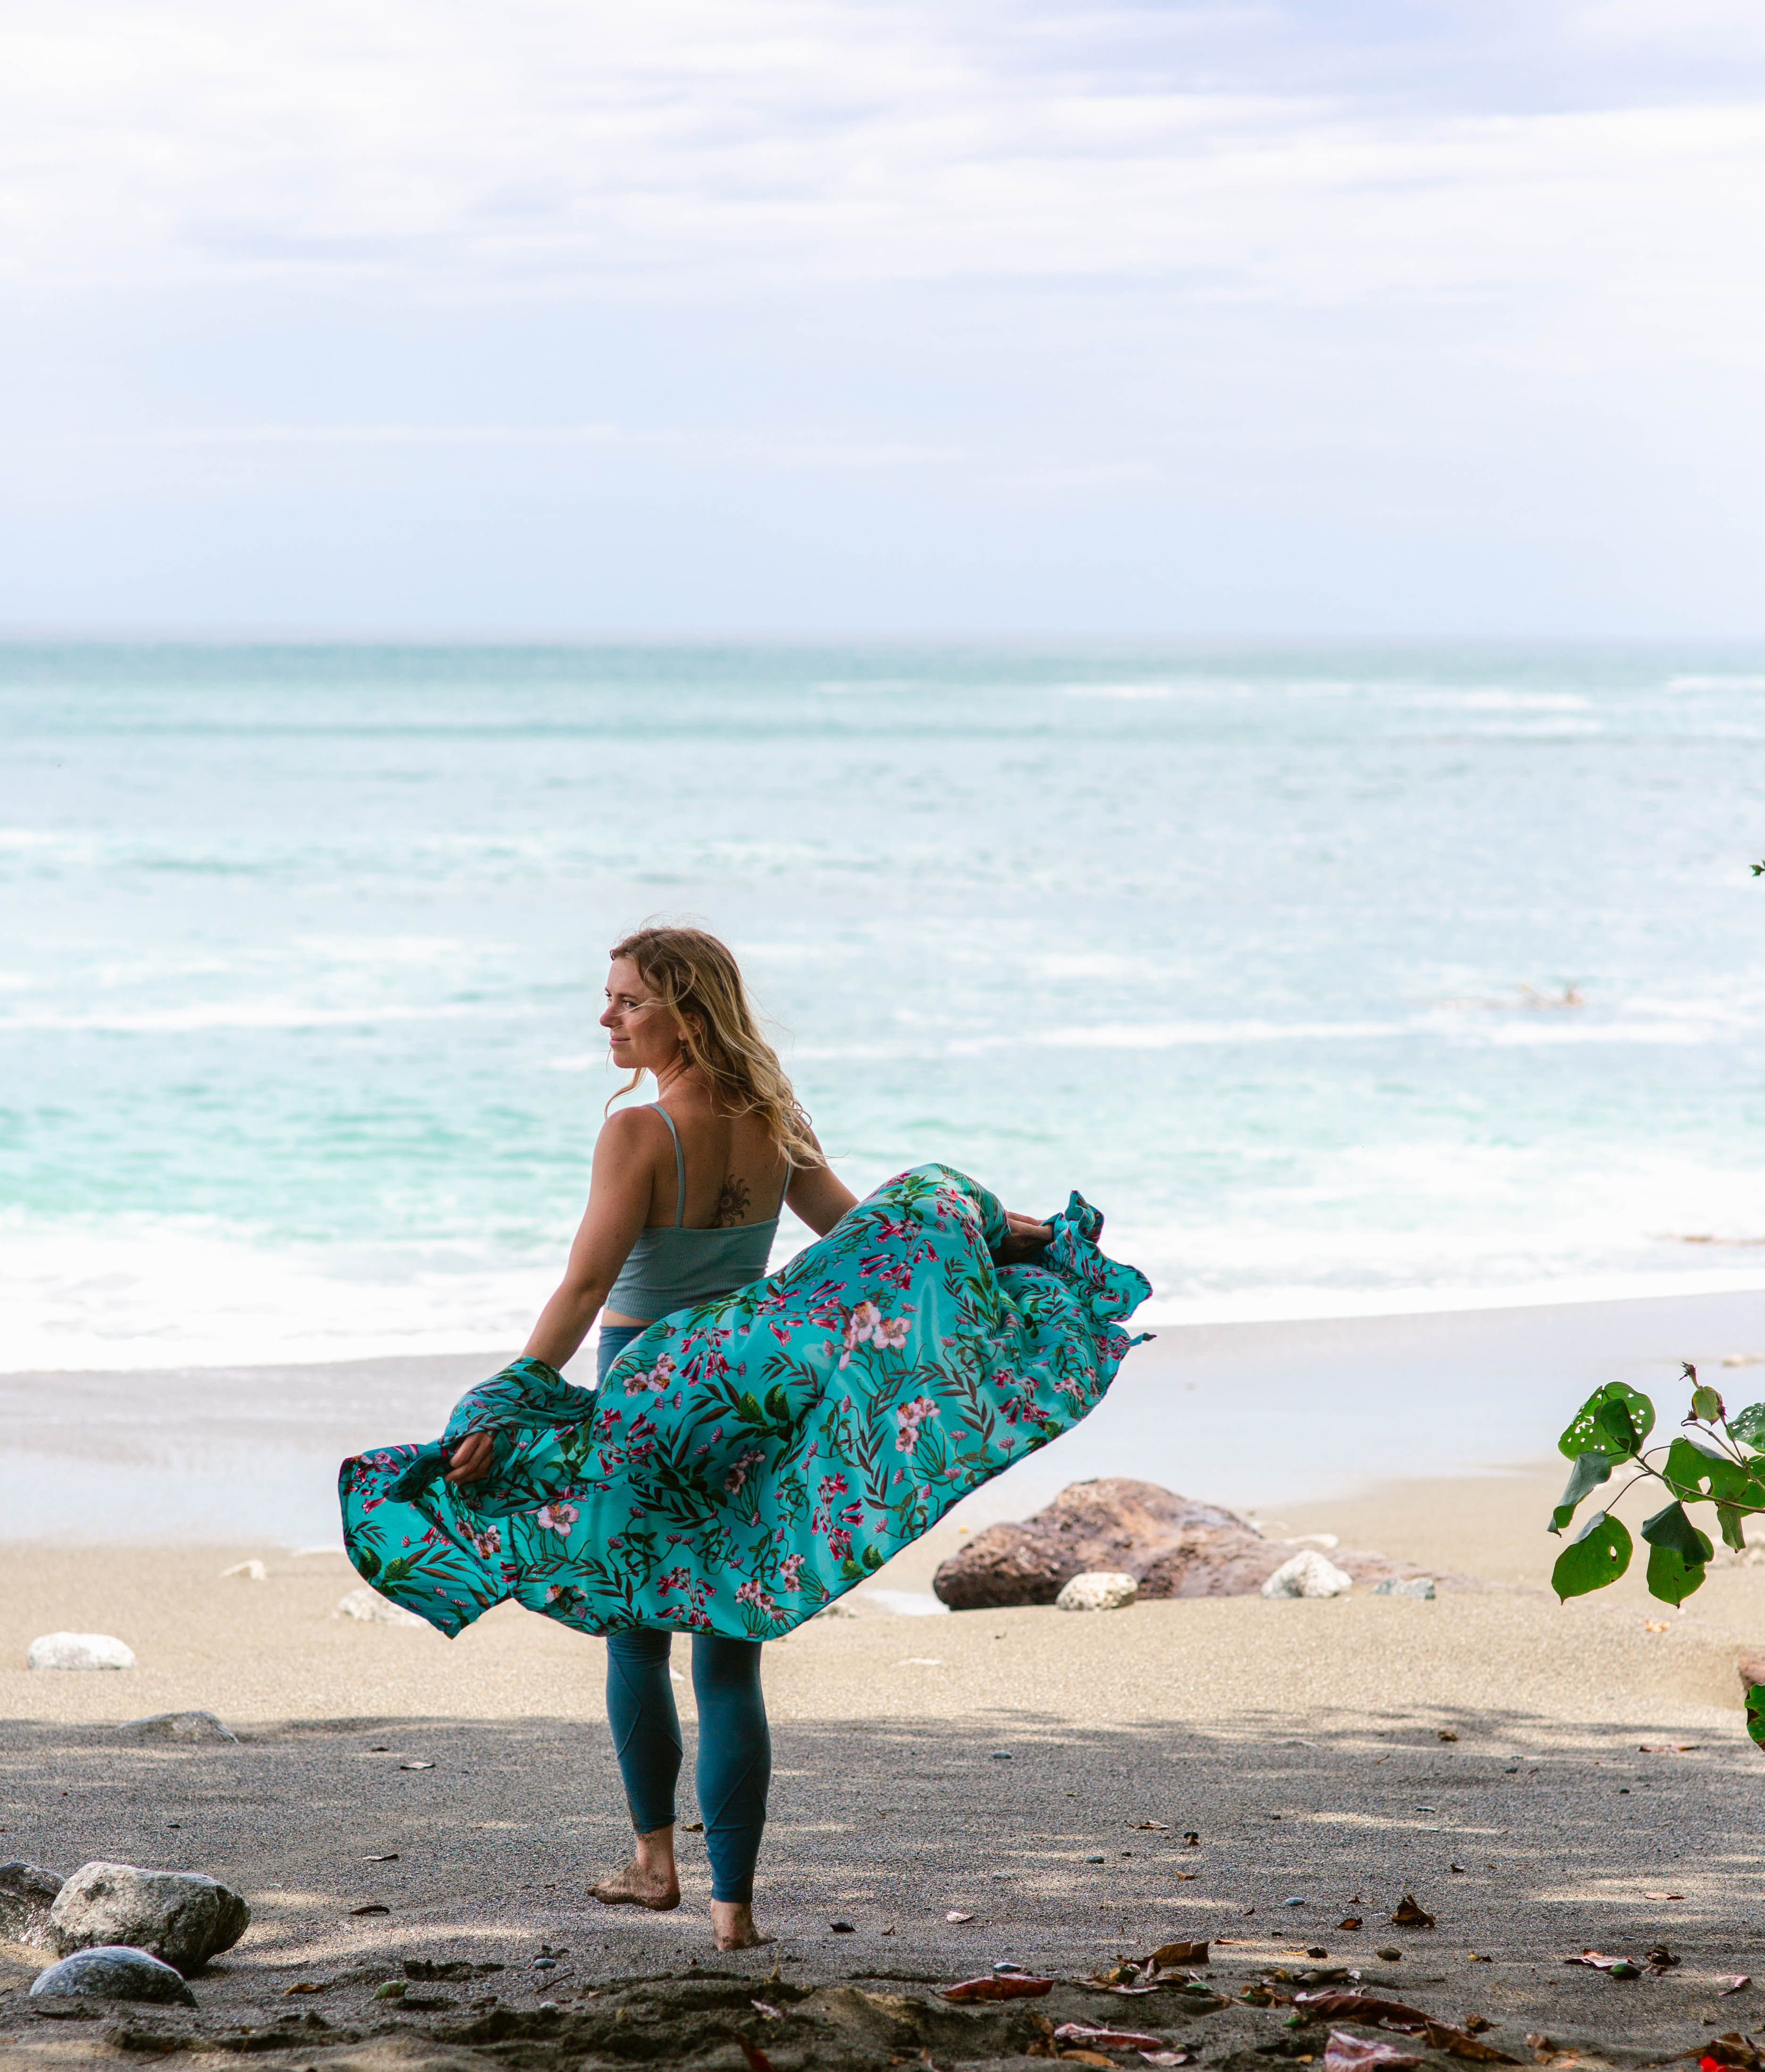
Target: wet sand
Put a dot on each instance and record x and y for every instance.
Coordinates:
(1301, 1741)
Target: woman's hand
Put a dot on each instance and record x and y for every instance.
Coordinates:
(470, 1461)
(1025, 1240)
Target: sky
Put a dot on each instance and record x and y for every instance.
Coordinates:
(689, 318)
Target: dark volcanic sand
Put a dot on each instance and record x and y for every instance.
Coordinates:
(888, 1825)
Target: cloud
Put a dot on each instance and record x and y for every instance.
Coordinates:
(645, 146)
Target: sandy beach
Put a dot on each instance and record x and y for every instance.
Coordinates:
(1541, 1778)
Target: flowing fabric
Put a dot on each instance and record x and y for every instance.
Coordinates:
(746, 1462)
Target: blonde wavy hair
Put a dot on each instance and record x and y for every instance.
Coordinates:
(699, 983)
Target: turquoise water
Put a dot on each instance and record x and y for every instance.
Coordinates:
(1267, 951)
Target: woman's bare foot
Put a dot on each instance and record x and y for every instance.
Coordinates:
(649, 1880)
(731, 1923)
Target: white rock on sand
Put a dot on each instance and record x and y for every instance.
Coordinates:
(249, 1571)
(367, 1603)
(1308, 1575)
(78, 1650)
(1097, 1590)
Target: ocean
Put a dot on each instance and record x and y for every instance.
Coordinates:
(1345, 981)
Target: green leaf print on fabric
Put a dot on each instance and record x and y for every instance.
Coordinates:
(748, 1461)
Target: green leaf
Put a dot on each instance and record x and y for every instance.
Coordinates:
(872, 1558)
(1598, 1555)
(367, 1563)
(1695, 1470)
(748, 1409)
(1678, 1552)
(1748, 1425)
(1707, 1405)
(1671, 1577)
(1590, 1470)
(850, 1569)
(1614, 1420)
(1731, 1520)
(1755, 1713)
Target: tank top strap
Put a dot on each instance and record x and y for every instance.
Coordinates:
(784, 1190)
(679, 1166)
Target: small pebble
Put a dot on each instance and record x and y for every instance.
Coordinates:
(1096, 1859)
(1390, 1956)
(1001, 1755)
(1293, 1902)
(545, 1964)
(842, 1928)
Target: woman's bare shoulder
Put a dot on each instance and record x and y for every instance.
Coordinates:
(630, 1135)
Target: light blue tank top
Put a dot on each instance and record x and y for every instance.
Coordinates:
(676, 1269)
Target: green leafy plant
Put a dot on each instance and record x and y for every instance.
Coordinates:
(1713, 1459)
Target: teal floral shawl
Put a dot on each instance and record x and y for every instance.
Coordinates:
(746, 1462)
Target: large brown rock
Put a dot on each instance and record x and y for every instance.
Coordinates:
(1172, 1546)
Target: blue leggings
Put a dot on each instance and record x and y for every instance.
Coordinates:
(734, 1765)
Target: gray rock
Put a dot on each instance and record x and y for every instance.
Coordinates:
(78, 1650)
(1097, 1590)
(1404, 1586)
(178, 1916)
(367, 1603)
(112, 1972)
(1308, 1575)
(176, 1727)
(26, 1893)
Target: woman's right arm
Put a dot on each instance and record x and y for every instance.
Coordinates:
(619, 1193)
(817, 1197)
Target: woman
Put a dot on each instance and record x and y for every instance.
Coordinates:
(683, 1206)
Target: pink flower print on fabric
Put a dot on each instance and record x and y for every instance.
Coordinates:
(908, 1418)
(556, 1516)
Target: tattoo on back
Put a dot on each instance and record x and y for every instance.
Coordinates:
(732, 1203)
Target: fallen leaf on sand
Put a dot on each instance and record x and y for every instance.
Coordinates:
(1664, 1895)
(1476, 2024)
(1350, 1921)
(1106, 2039)
(692, 1827)
(997, 1986)
(1616, 1968)
(766, 2008)
(391, 1857)
(1665, 1748)
(1086, 2057)
(1445, 1734)
(953, 1915)
(1333, 2004)
(1188, 1877)
(1410, 1915)
(417, 1766)
(1734, 1985)
(1351, 2053)
(303, 1986)
(758, 2059)
(1731, 2049)
(1477, 1957)
(1153, 1826)
(1192, 1839)
(1167, 2057)
(376, 1908)
(1168, 1954)
(1660, 1959)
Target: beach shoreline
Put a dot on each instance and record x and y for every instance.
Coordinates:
(1250, 1414)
